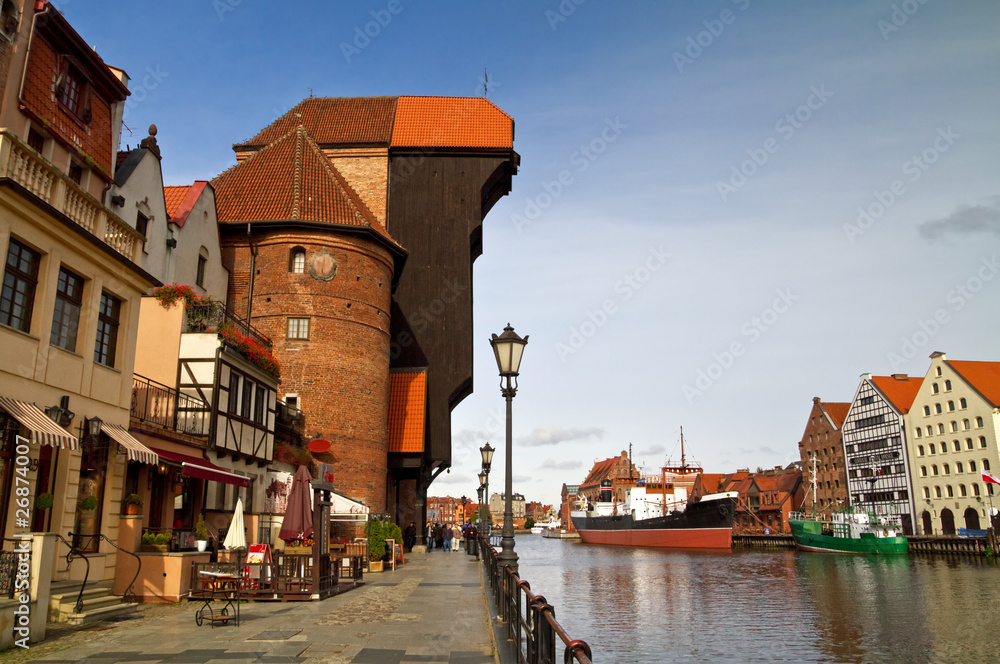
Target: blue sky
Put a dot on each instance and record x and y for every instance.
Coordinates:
(723, 208)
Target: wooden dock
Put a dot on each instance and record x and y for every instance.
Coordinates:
(932, 545)
(778, 541)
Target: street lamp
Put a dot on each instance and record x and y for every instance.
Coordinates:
(487, 453)
(508, 348)
(482, 486)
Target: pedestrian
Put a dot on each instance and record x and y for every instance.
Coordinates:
(455, 538)
(447, 537)
(439, 535)
(410, 536)
(430, 536)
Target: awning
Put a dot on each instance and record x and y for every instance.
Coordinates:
(345, 509)
(202, 469)
(135, 450)
(43, 430)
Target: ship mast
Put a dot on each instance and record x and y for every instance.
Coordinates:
(814, 483)
(683, 464)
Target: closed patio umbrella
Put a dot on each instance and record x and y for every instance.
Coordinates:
(236, 537)
(298, 521)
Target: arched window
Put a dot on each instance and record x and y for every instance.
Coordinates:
(934, 470)
(961, 491)
(933, 448)
(927, 492)
(972, 466)
(937, 408)
(982, 443)
(958, 466)
(954, 425)
(957, 445)
(975, 489)
(919, 432)
(941, 427)
(951, 406)
(923, 471)
(968, 443)
(963, 403)
(927, 410)
(947, 469)
(937, 492)
(939, 371)
(965, 425)
(986, 464)
(199, 277)
(951, 492)
(947, 386)
(920, 450)
(930, 431)
(297, 260)
(936, 389)
(979, 423)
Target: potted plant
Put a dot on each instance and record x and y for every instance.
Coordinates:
(158, 542)
(88, 504)
(391, 531)
(133, 504)
(201, 533)
(376, 545)
(43, 501)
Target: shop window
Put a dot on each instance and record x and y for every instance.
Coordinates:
(66, 316)
(90, 492)
(20, 278)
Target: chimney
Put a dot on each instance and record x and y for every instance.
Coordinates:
(900, 376)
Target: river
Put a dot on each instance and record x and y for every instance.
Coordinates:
(649, 605)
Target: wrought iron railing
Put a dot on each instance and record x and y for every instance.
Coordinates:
(156, 403)
(210, 317)
(531, 621)
(8, 566)
(74, 552)
(128, 597)
(289, 416)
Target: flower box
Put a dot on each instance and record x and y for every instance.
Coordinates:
(299, 551)
(375, 566)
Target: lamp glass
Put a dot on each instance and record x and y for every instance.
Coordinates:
(94, 426)
(482, 478)
(508, 348)
(487, 452)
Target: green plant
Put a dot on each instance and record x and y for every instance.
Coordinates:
(133, 499)
(200, 531)
(249, 348)
(376, 540)
(529, 523)
(43, 501)
(391, 531)
(161, 539)
(148, 539)
(88, 503)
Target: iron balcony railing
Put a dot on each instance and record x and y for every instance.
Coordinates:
(210, 317)
(158, 404)
(531, 621)
(29, 169)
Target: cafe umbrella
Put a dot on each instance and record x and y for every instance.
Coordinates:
(236, 537)
(298, 521)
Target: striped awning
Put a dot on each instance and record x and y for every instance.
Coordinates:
(135, 450)
(43, 430)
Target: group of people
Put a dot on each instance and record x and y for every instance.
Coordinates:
(448, 536)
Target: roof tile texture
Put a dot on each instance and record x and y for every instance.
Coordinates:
(407, 392)
(900, 391)
(173, 197)
(335, 120)
(984, 376)
(451, 122)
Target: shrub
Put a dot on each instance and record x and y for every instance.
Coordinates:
(376, 540)
(200, 531)
(43, 501)
(161, 539)
(133, 499)
(148, 539)
(88, 503)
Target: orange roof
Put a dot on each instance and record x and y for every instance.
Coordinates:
(444, 122)
(899, 389)
(407, 396)
(837, 412)
(472, 122)
(290, 179)
(983, 376)
(181, 200)
(173, 197)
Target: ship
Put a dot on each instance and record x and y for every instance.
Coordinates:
(655, 511)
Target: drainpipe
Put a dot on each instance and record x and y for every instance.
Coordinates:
(253, 271)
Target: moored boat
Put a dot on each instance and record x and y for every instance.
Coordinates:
(848, 531)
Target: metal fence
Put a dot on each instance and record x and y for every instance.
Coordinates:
(156, 403)
(531, 621)
(210, 317)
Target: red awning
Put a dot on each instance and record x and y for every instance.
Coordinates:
(202, 469)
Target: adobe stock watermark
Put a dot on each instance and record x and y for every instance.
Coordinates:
(581, 159)
(363, 36)
(565, 9)
(626, 288)
(786, 127)
(958, 297)
(421, 319)
(899, 17)
(22, 519)
(752, 330)
(913, 168)
(223, 7)
(696, 45)
(149, 82)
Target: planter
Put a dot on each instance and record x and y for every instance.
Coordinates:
(132, 510)
(299, 551)
(375, 566)
(154, 548)
(202, 544)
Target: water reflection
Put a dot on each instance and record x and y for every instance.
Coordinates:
(646, 605)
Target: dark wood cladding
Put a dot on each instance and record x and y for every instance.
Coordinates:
(436, 207)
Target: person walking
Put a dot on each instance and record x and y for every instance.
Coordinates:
(410, 536)
(447, 537)
(430, 536)
(456, 538)
(439, 535)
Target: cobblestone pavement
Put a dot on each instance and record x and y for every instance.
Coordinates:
(433, 609)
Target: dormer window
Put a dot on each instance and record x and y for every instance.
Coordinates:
(73, 91)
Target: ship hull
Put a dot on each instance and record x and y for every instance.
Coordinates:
(806, 541)
(700, 526)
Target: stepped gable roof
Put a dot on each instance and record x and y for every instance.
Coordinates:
(334, 121)
(837, 412)
(983, 376)
(899, 389)
(451, 122)
(399, 122)
(291, 180)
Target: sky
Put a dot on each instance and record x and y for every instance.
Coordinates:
(724, 208)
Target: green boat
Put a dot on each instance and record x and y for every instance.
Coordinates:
(848, 532)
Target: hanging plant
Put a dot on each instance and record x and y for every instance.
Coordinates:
(249, 348)
(169, 294)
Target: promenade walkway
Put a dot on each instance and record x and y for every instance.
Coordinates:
(433, 609)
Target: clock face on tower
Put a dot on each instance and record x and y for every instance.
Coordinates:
(322, 266)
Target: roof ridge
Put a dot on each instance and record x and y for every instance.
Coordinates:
(297, 171)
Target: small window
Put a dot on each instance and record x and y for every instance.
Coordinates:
(937, 492)
(972, 466)
(930, 431)
(66, 316)
(297, 260)
(986, 464)
(919, 432)
(951, 406)
(939, 371)
(951, 492)
(968, 443)
(258, 404)
(963, 403)
(957, 446)
(107, 329)
(202, 264)
(36, 141)
(947, 469)
(958, 467)
(933, 448)
(141, 225)
(927, 492)
(73, 91)
(937, 408)
(934, 470)
(947, 386)
(923, 471)
(954, 425)
(979, 423)
(975, 489)
(298, 328)
(982, 443)
(936, 389)
(76, 172)
(941, 427)
(247, 398)
(927, 410)
(20, 278)
(965, 425)
(234, 393)
(920, 450)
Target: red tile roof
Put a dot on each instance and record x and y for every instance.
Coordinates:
(471, 122)
(442, 122)
(983, 376)
(837, 412)
(173, 197)
(407, 398)
(900, 391)
(290, 179)
(181, 200)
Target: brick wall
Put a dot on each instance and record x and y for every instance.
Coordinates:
(823, 440)
(341, 373)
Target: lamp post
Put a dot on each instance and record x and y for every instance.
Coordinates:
(487, 453)
(479, 492)
(508, 348)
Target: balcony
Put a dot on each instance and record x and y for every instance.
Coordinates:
(23, 165)
(211, 317)
(164, 406)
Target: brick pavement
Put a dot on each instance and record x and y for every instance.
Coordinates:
(433, 609)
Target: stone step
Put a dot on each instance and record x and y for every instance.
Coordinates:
(91, 616)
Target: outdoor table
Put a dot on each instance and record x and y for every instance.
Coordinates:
(219, 587)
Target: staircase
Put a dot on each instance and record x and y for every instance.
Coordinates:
(98, 603)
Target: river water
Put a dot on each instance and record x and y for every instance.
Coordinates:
(648, 605)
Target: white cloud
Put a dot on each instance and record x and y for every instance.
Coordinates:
(554, 435)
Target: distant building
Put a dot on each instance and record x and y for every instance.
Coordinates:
(497, 507)
(874, 434)
(619, 467)
(822, 448)
(952, 428)
(569, 500)
(765, 498)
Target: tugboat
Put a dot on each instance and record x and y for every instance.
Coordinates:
(847, 531)
(657, 512)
